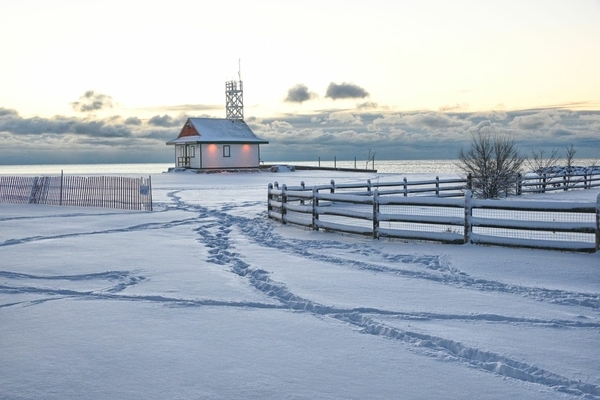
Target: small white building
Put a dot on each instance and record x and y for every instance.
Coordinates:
(216, 143)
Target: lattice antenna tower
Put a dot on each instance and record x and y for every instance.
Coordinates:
(234, 97)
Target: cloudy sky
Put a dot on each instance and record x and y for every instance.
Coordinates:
(112, 81)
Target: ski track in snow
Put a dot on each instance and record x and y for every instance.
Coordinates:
(213, 228)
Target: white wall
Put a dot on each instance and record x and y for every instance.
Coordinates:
(241, 156)
(195, 155)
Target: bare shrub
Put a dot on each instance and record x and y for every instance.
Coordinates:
(540, 163)
(493, 162)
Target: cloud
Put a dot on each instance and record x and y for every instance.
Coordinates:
(345, 91)
(489, 115)
(7, 112)
(326, 133)
(133, 121)
(91, 101)
(60, 125)
(455, 107)
(345, 118)
(543, 119)
(431, 120)
(165, 121)
(366, 105)
(299, 94)
(184, 108)
(560, 132)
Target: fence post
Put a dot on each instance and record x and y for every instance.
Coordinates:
(269, 187)
(332, 190)
(376, 214)
(61, 188)
(303, 189)
(470, 181)
(283, 202)
(519, 188)
(150, 188)
(598, 222)
(437, 186)
(566, 181)
(468, 215)
(315, 211)
(544, 183)
(405, 187)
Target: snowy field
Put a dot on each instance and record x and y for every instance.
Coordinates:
(206, 298)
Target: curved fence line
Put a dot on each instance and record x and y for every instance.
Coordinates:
(572, 226)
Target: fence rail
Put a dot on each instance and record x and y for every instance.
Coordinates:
(93, 191)
(548, 225)
(542, 183)
(456, 187)
(452, 187)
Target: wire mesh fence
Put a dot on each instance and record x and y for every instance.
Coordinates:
(553, 231)
(556, 225)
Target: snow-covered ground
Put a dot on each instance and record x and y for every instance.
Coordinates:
(207, 298)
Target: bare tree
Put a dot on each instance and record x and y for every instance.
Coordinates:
(493, 162)
(569, 164)
(540, 164)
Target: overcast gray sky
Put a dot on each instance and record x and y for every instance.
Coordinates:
(112, 81)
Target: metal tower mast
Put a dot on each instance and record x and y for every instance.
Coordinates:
(234, 98)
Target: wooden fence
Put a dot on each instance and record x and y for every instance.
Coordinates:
(453, 187)
(534, 183)
(549, 225)
(91, 191)
(456, 187)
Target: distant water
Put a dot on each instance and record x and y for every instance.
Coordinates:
(84, 169)
(383, 166)
(390, 166)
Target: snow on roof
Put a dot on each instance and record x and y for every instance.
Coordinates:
(219, 130)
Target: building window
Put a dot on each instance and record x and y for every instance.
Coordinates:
(191, 151)
(226, 151)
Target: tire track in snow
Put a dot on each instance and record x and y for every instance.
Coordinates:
(66, 215)
(109, 275)
(124, 280)
(118, 280)
(134, 228)
(216, 237)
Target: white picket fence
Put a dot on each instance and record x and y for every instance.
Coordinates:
(392, 213)
(80, 191)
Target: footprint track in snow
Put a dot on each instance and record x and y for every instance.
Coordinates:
(427, 345)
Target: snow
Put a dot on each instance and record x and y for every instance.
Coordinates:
(207, 298)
